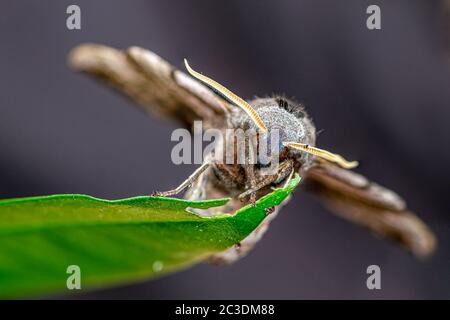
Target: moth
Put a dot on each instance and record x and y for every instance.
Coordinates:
(160, 89)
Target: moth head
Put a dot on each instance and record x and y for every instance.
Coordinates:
(284, 129)
(294, 132)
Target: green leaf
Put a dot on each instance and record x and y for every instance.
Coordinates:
(112, 241)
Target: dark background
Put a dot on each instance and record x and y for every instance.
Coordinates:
(382, 97)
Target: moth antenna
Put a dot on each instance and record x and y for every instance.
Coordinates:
(244, 105)
(324, 154)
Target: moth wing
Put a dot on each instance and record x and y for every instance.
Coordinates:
(355, 198)
(152, 83)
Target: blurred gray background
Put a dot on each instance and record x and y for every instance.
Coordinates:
(382, 97)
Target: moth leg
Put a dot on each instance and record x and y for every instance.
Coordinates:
(186, 183)
(270, 210)
(286, 168)
(251, 181)
(288, 179)
(265, 182)
(249, 169)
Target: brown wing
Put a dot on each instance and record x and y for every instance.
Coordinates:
(355, 198)
(152, 83)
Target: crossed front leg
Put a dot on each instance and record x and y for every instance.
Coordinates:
(285, 170)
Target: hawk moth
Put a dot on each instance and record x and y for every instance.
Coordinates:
(161, 89)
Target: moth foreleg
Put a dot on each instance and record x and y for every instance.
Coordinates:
(289, 178)
(285, 170)
(249, 169)
(186, 183)
(251, 182)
